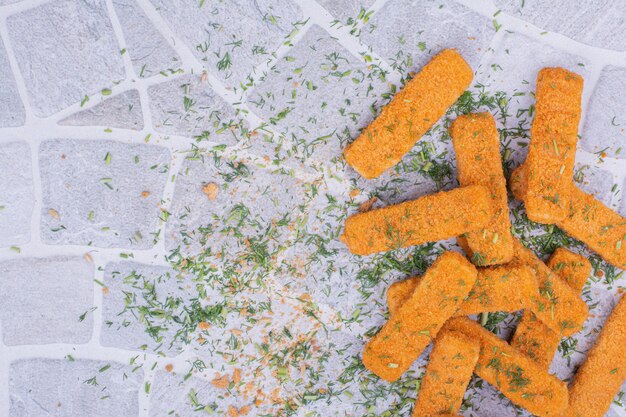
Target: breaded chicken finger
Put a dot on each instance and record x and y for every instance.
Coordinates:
(477, 147)
(403, 338)
(430, 218)
(411, 112)
(518, 377)
(447, 375)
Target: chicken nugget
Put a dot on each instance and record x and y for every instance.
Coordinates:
(558, 307)
(588, 220)
(518, 377)
(554, 135)
(407, 333)
(601, 376)
(477, 147)
(412, 111)
(532, 337)
(430, 218)
(447, 375)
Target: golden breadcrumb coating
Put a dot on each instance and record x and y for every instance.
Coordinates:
(601, 376)
(571, 267)
(554, 135)
(412, 111)
(428, 219)
(477, 147)
(407, 333)
(519, 378)
(447, 375)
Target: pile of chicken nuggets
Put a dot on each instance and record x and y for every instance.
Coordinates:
(499, 272)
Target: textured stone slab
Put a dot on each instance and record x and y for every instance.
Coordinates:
(187, 106)
(11, 107)
(60, 387)
(44, 300)
(346, 10)
(225, 206)
(16, 193)
(605, 123)
(234, 37)
(86, 56)
(319, 96)
(6, 2)
(596, 181)
(149, 51)
(407, 33)
(127, 304)
(600, 23)
(101, 193)
(122, 111)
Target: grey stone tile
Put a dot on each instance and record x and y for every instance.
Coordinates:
(319, 96)
(247, 206)
(408, 33)
(44, 299)
(86, 58)
(605, 123)
(598, 23)
(6, 2)
(11, 107)
(170, 395)
(65, 388)
(187, 106)
(346, 10)
(234, 37)
(16, 193)
(131, 292)
(149, 51)
(101, 193)
(122, 111)
(594, 180)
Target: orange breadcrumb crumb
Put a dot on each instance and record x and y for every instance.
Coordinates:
(518, 377)
(601, 376)
(407, 333)
(430, 218)
(447, 375)
(534, 338)
(477, 146)
(588, 220)
(554, 134)
(411, 112)
(504, 288)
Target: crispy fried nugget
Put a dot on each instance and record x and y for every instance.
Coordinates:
(503, 288)
(430, 218)
(600, 377)
(554, 135)
(403, 338)
(588, 220)
(534, 338)
(448, 372)
(518, 377)
(477, 146)
(410, 114)
(558, 307)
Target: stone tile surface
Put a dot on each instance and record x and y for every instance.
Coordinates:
(408, 33)
(122, 111)
(130, 290)
(605, 123)
(59, 387)
(149, 51)
(598, 23)
(101, 193)
(16, 193)
(346, 10)
(234, 37)
(306, 97)
(11, 107)
(44, 299)
(596, 181)
(187, 106)
(86, 57)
